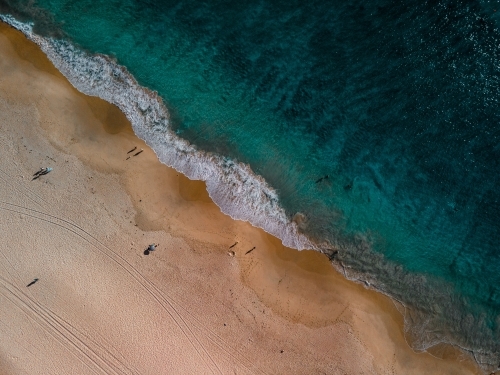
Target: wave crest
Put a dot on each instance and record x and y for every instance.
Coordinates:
(233, 186)
(243, 195)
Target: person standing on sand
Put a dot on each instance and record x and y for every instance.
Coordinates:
(150, 248)
(30, 284)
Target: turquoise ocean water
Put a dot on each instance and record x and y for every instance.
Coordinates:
(375, 125)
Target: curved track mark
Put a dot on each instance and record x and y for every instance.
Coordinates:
(156, 294)
(16, 188)
(128, 268)
(67, 332)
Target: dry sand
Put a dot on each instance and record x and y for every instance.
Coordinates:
(102, 306)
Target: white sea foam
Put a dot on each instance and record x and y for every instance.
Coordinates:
(233, 186)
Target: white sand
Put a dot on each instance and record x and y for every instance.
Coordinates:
(102, 306)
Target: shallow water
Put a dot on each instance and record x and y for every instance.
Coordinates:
(396, 102)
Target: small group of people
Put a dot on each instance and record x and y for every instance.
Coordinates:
(137, 153)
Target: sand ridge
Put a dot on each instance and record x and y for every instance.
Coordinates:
(102, 306)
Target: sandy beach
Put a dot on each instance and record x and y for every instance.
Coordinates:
(195, 305)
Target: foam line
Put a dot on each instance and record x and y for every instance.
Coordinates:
(233, 186)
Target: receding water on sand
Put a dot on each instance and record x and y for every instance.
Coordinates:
(395, 103)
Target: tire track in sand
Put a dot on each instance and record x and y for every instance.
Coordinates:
(93, 355)
(166, 302)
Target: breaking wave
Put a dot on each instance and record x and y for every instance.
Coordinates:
(243, 195)
(233, 186)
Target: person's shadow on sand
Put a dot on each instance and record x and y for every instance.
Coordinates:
(150, 248)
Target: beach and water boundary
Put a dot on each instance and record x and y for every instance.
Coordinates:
(144, 111)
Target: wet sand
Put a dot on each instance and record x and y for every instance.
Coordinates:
(194, 305)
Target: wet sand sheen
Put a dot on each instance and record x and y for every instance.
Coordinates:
(272, 299)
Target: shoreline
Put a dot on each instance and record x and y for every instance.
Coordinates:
(233, 186)
(278, 279)
(235, 189)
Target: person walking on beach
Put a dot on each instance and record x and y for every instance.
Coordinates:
(30, 284)
(41, 172)
(150, 248)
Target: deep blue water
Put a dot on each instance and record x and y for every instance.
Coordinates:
(395, 101)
